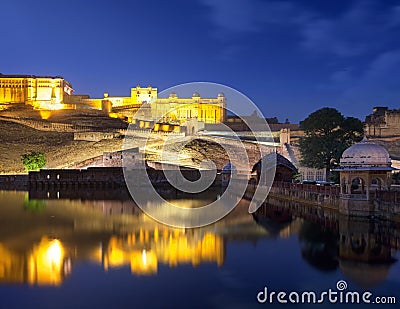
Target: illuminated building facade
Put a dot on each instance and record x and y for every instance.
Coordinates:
(169, 110)
(55, 93)
(42, 92)
(173, 108)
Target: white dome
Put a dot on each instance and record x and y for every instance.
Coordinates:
(196, 94)
(365, 154)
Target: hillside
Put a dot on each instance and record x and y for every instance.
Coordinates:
(392, 145)
(60, 148)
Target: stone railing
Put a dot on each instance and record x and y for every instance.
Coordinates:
(391, 197)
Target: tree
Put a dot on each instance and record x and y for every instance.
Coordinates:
(33, 161)
(327, 134)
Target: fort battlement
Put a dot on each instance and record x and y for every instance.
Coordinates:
(43, 125)
(383, 122)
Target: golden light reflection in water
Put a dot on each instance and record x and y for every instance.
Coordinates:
(10, 265)
(45, 264)
(144, 250)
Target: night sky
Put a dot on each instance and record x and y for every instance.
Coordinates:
(289, 57)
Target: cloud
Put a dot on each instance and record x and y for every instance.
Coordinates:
(241, 16)
(232, 16)
(355, 93)
(365, 41)
(379, 84)
(233, 19)
(342, 76)
(362, 29)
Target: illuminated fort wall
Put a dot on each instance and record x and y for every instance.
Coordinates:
(42, 92)
(141, 95)
(54, 92)
(151, 107)
(171, 109)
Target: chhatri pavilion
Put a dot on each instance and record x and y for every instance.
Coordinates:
(364, 168)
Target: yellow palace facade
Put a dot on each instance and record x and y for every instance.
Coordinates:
(172, 109)
(42, 92)
(55, 93)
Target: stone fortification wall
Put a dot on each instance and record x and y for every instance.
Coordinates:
(145, 133)
(94, 136)
(96, 177)
(383, 123)
(13, 182)
(95, 161)
(42, 125)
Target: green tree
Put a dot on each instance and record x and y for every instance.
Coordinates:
(33, 161)
(327, 134)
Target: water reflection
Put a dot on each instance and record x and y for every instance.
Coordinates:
(319, 246)
(43, 235)
(278, 222)
(365, 251)
(44, 264)
(143, 250)
(362, 249)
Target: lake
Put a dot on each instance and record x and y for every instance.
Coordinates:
(99, 250)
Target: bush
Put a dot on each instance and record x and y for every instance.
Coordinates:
(33, 161)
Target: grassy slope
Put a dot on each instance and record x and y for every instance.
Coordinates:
(60, 148)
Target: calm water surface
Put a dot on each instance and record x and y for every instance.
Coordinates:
(98, 250)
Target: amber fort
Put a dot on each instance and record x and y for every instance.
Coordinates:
(144, 106)
(56, 93)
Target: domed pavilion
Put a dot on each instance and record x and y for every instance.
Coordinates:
(364, 168)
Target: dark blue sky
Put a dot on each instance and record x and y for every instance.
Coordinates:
(289, 57)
